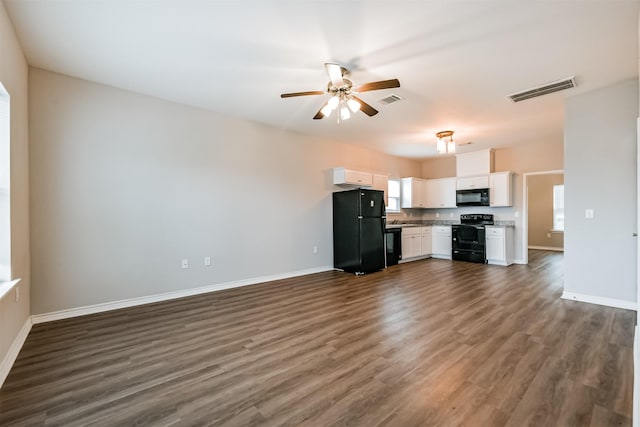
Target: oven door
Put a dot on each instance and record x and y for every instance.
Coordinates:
(468, 237)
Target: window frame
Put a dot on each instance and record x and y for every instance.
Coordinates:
(558, 211)
(390, 197)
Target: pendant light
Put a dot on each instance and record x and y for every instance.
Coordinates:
(444, 146)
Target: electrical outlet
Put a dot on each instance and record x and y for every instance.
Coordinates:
(588, 213)
(315, 249)
(516, 214)
(185, 263)
(437, 215)
(207, 261)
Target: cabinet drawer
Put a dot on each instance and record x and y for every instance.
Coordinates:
(494, 231)
(441, 229)
(411, 231)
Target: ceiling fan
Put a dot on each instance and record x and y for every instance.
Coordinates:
(343, 92)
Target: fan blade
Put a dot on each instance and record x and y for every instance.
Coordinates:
(366, 108)
(335, 74)
(313, 92)
(319, 114)
(384, 84)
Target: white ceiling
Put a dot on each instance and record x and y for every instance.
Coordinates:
(456, 60)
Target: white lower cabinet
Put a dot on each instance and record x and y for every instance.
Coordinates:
(499, 241)
(441, 241)
(413, 242)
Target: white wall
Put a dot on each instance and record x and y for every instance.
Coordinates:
(600, 174)
(14, 77)
(124, 186)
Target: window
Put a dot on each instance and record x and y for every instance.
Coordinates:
(558, 207)
(393, 204)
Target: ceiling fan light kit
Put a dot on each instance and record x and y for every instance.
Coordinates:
(343, 93)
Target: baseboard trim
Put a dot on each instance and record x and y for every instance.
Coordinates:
(519, 261)
(132, 302)
(636, 379)
(610, 302)
(547, 248)
(12, 354)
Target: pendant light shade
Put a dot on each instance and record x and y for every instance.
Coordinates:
(444, 146)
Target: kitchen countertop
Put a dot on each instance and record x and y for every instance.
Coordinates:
(431, 222)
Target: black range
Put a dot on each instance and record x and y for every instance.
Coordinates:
(468, 238)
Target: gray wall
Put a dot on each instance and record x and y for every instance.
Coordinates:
(14, 77)
(124, 186)
(600, 174)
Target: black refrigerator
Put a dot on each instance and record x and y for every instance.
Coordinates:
(358, 231)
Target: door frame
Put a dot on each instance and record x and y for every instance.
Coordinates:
(525, 209)
(636, 336)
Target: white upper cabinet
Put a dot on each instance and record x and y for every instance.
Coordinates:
(441, 193)
(413, 193)
(342, 176)
(474, 163)
(472, 182)
(500, 192)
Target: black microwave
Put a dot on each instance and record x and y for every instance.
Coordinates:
(475, 197)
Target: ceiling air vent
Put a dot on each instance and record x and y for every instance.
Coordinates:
(556, 86)
(390, 99)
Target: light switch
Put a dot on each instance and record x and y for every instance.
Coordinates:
(588, 213)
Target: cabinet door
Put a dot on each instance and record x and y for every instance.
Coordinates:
(407, 247)
(474, 163)
(441, 193)
(413, 193)
(420, 194)
(358, 178)
(448, 192)
(471, 182)
(426, 241)
(495, 248)
(350, 177)
(500, 189)
(441, 241)
(416, 245)
(499, 245)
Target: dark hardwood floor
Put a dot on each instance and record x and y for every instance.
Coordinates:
(428, 343)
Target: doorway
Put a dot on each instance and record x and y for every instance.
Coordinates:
(542, 222)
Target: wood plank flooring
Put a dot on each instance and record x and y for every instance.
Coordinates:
(427, 343)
